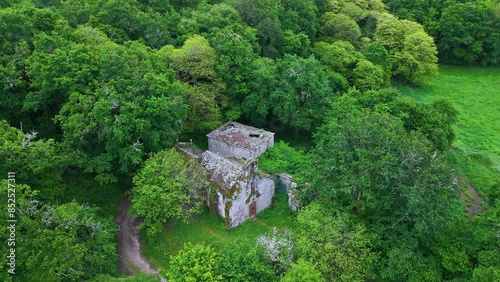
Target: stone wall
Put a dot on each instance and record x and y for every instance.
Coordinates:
(291, 190)
(227, 150)
(259, 189)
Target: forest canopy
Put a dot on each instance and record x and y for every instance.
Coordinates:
(95, 93)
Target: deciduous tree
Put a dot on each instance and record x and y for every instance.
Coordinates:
(336, 246)
(192, 264)
(168, 187)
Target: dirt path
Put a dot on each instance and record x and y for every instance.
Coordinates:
(129, 246)
(475, 202)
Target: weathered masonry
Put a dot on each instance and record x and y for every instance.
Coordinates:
(237, 140)
(239, 190)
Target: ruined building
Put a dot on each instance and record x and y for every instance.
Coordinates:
(239, 190)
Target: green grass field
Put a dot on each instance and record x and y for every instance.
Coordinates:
(204, 228)
(475, 92)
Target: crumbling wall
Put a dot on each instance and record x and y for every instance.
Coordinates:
(259, 189)
(266, 190)
(290, 189)
(227, 150)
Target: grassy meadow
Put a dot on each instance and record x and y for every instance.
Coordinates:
(475, 92)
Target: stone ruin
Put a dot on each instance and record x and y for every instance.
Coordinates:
(239, 190)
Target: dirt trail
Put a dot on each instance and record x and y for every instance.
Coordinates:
(129, 246)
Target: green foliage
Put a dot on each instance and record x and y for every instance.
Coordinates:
(194, 263)
(377, 54)
(296, 44)
(372, 154)
(263, 16)
(336, 246)
(367, 76)
(417, 61)
(283, 158)
(195, 64)
(167, 187)
(391, 178)
(474, 39)
(302, 271)
(257, 105)
(102, 116)
(405, 260)
(239, 262)
(300, 16)
(340, 56)
(466, 32)
(412, 52)
(433, 120)
(38, 163)
(57, 242)
(235, 50)
(339, 27)
(303, 92)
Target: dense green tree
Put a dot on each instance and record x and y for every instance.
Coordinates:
(39, 163)
(466, 32)
(486, 243)
(207, 19)
(296, 44)
(299, 16)
(339, 27)
(264, 80)
(353, 11)
(167, 187)
(418, 59)
(195, 64)
(56, 242)
(337, 6)
(17, 27)
(302, 271)
(340, 56)
(127, 103)
(263, 16)
(425, 12)
(235, 52)
(377, 54)
(413, 54)
(58, 67)
(238, 262)
(303, 93)
(367, 76)
(382, 166)
(336, 246)
(192, 264)
(391, 178)
(469, 33)
(434, 121)
(405, 259)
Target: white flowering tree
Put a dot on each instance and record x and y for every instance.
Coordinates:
(279, 247)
